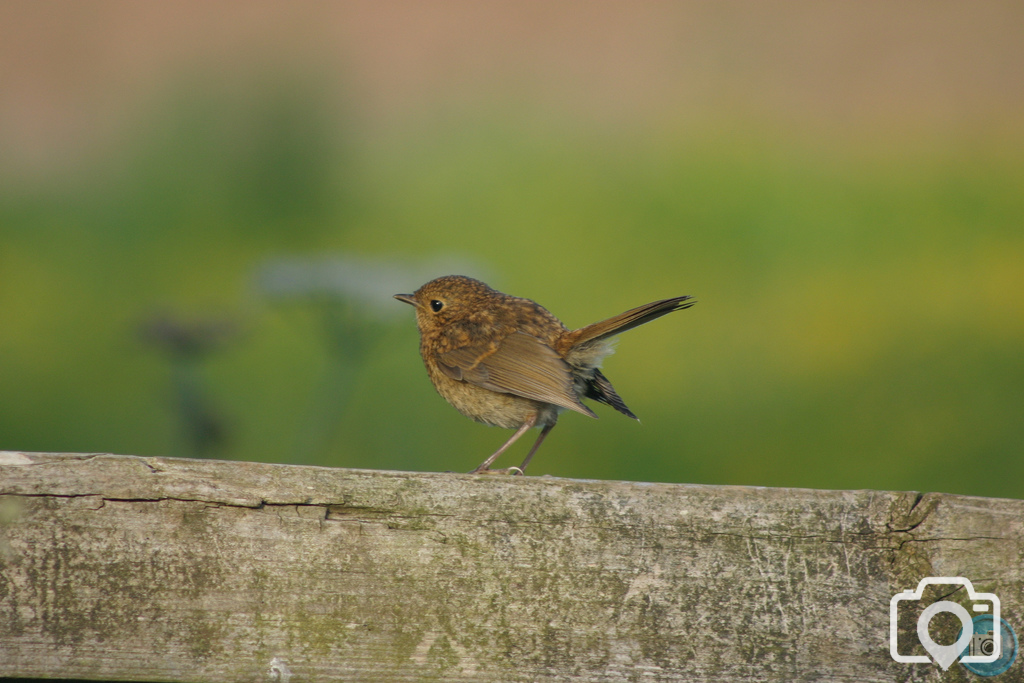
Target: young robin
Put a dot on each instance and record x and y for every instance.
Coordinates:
(507, 362)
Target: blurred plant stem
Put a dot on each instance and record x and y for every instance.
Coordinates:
(348, 337)
(186, 343)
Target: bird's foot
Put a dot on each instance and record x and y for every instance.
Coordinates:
(506, 470)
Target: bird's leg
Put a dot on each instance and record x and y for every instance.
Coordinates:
(486, 464)
(536, 445)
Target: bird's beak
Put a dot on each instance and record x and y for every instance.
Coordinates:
(407, 298)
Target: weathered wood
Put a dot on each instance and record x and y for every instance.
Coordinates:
(126, 568)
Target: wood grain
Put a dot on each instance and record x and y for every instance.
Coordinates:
(126, 568)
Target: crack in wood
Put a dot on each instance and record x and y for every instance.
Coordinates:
(423, 576)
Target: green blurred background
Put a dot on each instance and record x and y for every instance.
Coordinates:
(204, 209)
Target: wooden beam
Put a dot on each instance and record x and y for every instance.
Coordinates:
(128, 568)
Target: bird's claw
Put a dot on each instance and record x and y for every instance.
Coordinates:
(507, 470)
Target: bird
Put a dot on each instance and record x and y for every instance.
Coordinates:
(508, 362)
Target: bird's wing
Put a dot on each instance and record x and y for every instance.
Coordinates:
(519, 364)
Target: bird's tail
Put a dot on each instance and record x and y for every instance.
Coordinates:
(627, 321)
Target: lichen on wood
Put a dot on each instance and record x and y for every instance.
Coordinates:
(126, 568)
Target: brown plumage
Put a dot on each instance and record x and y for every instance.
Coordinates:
(508, 362)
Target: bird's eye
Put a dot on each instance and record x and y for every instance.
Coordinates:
(436, 305)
